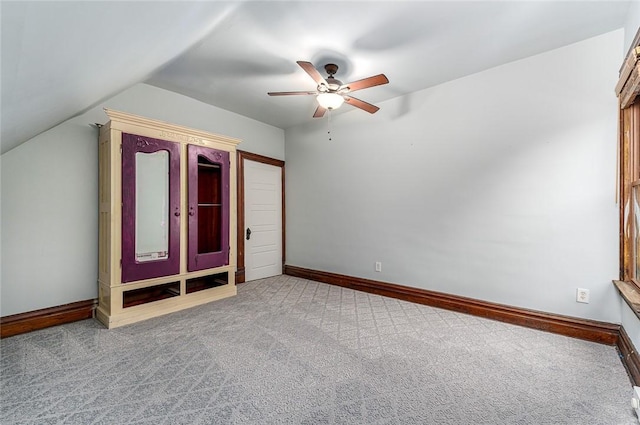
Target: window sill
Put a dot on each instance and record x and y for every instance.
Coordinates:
(631, 294)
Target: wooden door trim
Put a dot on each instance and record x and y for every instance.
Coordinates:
(242, 155)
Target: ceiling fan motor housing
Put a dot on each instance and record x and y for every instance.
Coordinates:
(331, 68)
(333, 84)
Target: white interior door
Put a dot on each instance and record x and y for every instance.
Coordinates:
(262, 220)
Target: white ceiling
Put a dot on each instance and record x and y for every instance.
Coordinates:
(60, 58)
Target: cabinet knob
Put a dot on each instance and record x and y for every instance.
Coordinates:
(177, 213)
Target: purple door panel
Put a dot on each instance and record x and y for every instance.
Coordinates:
(208, 173)
(134, 266)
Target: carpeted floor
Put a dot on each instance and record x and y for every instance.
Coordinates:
(292, 351)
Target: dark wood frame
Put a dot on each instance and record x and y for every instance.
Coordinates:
(628, 89)
(242, 155)
(629, 172)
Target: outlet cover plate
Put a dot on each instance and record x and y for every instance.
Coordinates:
(582, 295)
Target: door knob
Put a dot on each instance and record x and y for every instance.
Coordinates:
(248, 233)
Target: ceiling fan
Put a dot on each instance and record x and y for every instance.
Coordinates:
(331, 92)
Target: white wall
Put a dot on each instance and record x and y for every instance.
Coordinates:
(49, 220)
(631, 24)
(499, 186)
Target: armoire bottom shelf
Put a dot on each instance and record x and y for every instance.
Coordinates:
(158, 300)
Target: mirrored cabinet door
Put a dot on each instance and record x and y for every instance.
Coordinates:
(150, 208)
(208, 171)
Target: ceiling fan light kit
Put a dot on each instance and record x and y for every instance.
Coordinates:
(330, 100)
(331, 93)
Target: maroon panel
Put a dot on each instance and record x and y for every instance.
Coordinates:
(209, 208)
(133, 270)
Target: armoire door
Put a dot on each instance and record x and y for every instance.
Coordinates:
(150, 208)
(208, 208)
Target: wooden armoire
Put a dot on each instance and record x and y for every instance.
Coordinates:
(167, 217)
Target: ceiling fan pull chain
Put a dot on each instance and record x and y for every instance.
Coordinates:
(329, 124)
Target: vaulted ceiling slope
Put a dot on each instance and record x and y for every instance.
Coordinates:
(60, 58)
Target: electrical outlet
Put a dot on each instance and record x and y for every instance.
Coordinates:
(582, 295)
(378, 266)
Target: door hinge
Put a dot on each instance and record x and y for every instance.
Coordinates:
(120, 147)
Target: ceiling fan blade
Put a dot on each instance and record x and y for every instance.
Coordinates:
(372, 109)
(312, 71)
(376, 80)
(319, 113)
(291, 93)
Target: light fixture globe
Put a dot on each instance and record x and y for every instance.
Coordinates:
(330, 100)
